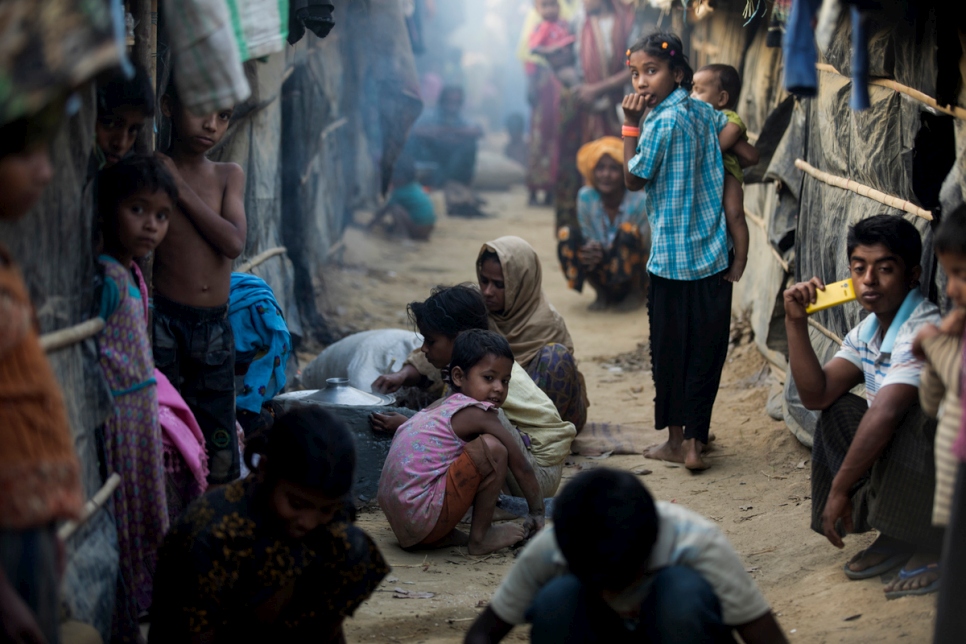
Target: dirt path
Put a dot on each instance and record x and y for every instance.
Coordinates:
(757, 489)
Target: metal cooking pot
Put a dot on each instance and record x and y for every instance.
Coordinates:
(337, 391)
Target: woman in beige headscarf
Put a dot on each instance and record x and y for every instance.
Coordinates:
(511, 280)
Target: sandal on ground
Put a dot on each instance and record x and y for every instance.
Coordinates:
(897, 558)
(909, 574)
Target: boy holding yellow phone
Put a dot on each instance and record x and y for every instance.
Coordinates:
(872, 459)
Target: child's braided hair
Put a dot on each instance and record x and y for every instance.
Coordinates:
(666, 46)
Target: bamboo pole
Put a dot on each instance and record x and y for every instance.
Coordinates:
(260, 259)
(781, 260)
(755, 219)
(922, 97)
(91, 507)
(63, 338)
(866, 191)
(821, 329)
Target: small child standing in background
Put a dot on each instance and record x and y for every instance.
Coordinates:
(409, 207)
(135, 200)
(455, 455)
(193, 342)
(719, 87)
(123, 107)
(942, 387)
(543, 94)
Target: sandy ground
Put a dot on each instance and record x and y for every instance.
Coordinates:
(757, 489)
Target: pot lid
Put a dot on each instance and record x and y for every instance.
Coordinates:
(337, 391)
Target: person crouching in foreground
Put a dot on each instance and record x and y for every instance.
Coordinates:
(618, 567)
(274, 557)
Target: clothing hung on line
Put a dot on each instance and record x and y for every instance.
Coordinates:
(801, 54)
(262, 340)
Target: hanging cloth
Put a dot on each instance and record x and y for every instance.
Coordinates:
(207, 62)
(260, 26)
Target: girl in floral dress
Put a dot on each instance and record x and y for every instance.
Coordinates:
(135, 198)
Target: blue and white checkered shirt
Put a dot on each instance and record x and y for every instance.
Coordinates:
(680, 157)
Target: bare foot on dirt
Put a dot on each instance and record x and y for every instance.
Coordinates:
(693, 460)
(666, 452)
(688, 453)
(497, 537)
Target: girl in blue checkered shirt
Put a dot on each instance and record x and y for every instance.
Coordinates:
(672, 153)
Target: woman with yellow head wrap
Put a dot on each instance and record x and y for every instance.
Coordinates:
(611, 245)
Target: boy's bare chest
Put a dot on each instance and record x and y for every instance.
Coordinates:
(209, 186)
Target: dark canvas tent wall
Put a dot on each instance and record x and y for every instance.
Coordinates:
(324, 124)
(900, 146)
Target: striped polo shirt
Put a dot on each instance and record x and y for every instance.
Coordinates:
(888, 360)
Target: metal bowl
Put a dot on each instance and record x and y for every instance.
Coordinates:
(337, 391)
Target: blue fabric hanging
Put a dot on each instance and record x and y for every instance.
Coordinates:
(261, 338)
(799, 49)
(860, 60)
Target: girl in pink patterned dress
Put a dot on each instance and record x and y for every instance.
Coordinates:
(135, 198)
(455, 455)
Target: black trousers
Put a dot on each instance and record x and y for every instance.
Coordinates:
(195, 349)
(690, 323)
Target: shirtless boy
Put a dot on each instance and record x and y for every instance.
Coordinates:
(193, 342)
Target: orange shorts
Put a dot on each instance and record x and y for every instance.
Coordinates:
(463, 480)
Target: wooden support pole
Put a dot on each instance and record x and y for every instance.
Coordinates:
(259, 259)
(63, 338)
(824, 331)
(922, 97)
(91, 507)
(866, 191)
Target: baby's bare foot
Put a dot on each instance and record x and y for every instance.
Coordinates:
(497, 537)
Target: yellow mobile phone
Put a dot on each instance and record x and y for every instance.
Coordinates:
(833, 295)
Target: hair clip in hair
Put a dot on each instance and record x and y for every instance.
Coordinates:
(628, 54)
(664, 45)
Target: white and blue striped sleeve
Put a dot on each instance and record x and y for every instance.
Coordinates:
(850, 349)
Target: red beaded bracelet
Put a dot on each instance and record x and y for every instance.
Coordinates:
(629, 130)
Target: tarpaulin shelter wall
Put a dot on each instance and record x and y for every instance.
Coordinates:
(899, 146)
(723, 38)
(308, 151)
